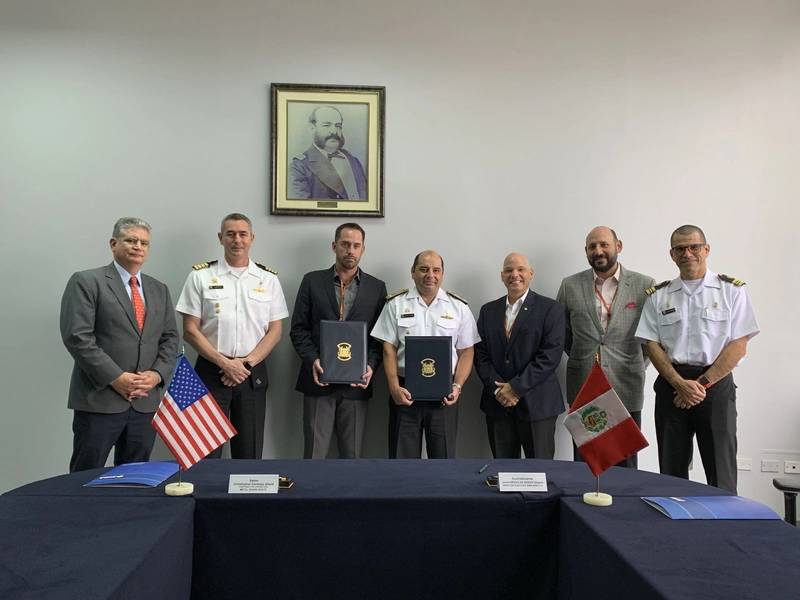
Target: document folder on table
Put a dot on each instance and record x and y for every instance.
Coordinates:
(147, 474)
(710, 507)
(343, 351)
(429, 366)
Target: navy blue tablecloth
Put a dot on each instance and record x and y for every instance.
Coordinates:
(631, 551)
(430, 529)
(101, 548)
(373, 529)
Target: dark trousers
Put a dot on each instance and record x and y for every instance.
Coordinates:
(322, 415)
(94, 434)
(632, 462)
(713, 421)
(507, 435)
(407, 424)
(245, 405)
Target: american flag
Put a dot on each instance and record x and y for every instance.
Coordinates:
(189, 420)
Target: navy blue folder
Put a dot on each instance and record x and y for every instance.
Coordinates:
(429, 366)
(343, 351)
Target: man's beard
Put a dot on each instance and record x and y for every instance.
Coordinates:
(323, 142)
(611, 263)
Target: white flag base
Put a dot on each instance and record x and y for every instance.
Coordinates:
(596, 498)
(181, 488)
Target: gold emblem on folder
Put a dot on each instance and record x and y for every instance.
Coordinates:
(343, 351)
(428, 367)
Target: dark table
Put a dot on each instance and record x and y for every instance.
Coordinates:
(630, 550)
(433, 529)
(76, 548)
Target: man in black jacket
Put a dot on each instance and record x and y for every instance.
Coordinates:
(342, 292)
(522, 338)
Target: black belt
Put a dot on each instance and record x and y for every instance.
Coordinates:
(690, 371)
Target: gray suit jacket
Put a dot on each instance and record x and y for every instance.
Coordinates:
(99, 329)
(621, 356)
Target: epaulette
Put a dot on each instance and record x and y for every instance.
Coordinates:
(396, 294)
(733, 280)
(267, 269)
(457, 297)
(299, 156)
(652, 290)
(204, 265)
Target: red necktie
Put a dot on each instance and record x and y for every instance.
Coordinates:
(138, 304)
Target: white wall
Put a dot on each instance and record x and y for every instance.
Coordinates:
(510, 125)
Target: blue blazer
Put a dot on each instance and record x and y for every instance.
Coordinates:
(527, 361)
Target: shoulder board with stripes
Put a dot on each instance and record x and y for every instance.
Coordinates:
(203, 265)
(733, 280)
(396, 294)
(457, 297)
(267, 269)
(652, 290)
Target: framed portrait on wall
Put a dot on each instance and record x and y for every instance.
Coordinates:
(327, 150)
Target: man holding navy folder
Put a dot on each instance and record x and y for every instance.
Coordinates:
(342, 292)
(425, 310)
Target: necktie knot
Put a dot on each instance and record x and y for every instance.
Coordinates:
(134, 282)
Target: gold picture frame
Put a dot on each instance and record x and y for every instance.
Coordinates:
(327, 150)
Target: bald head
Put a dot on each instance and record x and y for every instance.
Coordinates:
(427, 273)
(516, 275)
(602, 248)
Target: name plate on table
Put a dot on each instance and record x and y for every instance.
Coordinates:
(429, 366)
(522, 482)
(253, 484)
(343, 351)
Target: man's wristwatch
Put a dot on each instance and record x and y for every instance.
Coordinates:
(703, 380)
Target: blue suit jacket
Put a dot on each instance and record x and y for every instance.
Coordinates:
(527, 361)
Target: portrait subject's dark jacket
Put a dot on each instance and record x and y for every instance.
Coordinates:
(312, 176)
(316, 301)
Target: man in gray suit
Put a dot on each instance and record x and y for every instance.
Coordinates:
(119, 326)
(603, 306)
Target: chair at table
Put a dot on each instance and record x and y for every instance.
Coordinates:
(790, 488)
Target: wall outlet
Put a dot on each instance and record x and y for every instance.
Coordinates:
(770, 466)
(791, 466)
(746, 464)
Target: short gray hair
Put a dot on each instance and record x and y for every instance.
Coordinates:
(126, 223)
(235, 216)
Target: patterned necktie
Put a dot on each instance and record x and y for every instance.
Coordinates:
(138, 304)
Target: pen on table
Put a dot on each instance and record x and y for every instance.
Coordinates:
(483, 468)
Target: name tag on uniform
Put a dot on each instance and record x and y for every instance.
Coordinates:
(669, 311)
(407, 315)
(216, 287)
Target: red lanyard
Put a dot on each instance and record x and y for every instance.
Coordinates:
(605, 304)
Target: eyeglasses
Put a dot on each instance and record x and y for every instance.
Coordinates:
(693, 248)
(135, 241)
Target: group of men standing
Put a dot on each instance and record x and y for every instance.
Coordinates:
(120, 328)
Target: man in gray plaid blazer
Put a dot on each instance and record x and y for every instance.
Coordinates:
(603, 305)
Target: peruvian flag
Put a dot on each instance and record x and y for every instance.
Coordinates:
(601, 426)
